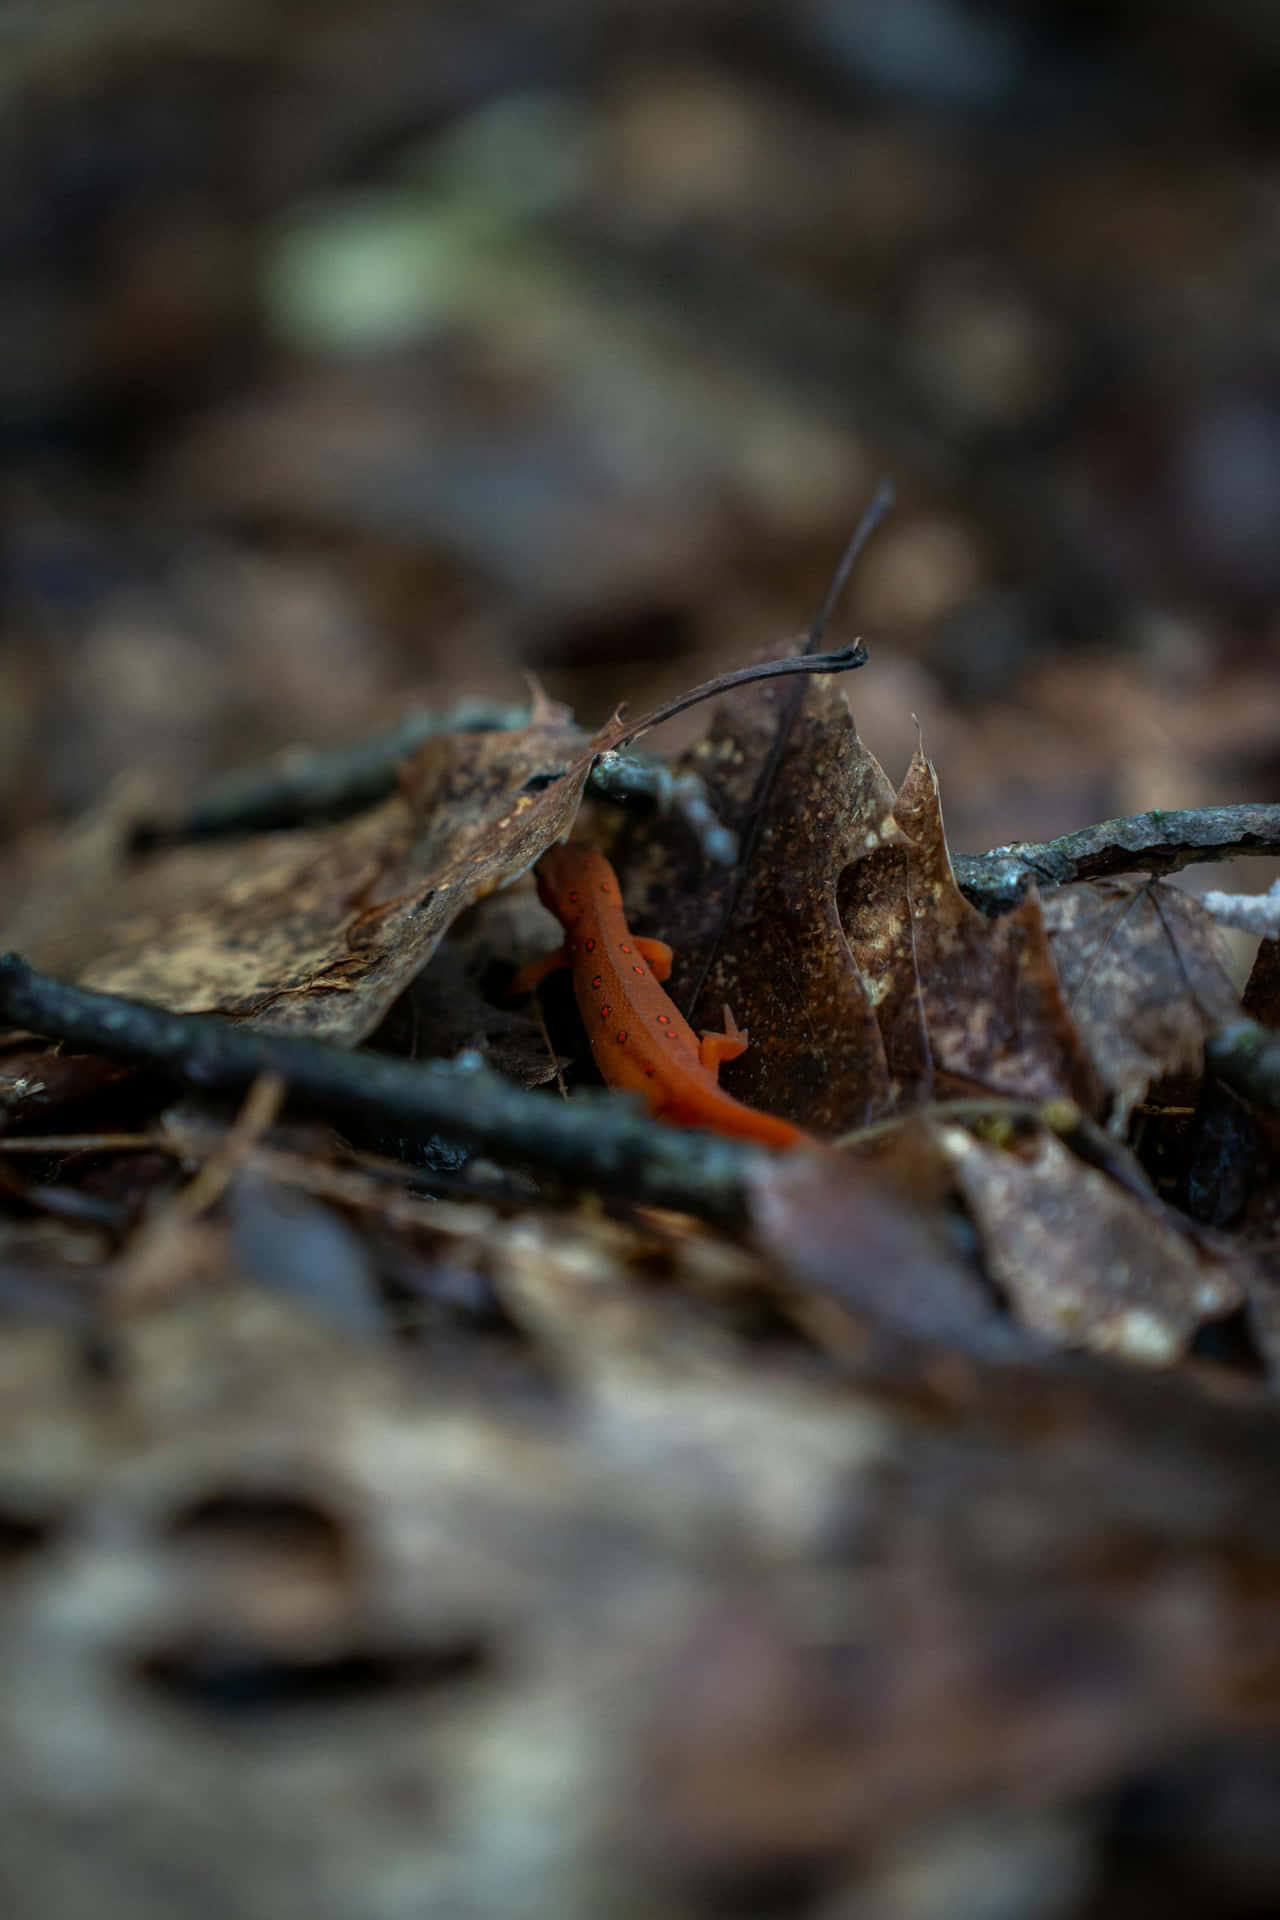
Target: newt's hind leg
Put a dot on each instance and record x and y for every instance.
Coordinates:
(658, 954)
(715, 1048)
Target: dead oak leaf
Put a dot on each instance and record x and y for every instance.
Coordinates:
(319, 931)
(783, 961)
(965, 1003)
(865, 978)
(1142, 967)
(766, 940)
(1080, 1259)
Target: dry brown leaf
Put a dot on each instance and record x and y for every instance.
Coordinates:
(866, 979)
(783, 964)
(318, 931)
(862, 1240)
(966, 1004)
(1142, 968)
(1080, 1259)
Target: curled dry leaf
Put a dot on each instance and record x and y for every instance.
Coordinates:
(966, 1004)
(318, 931)
(1142, 967)
(1080, 1259)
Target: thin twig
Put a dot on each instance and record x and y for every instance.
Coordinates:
(1154, 842)
(843, 660)
(56, 1143)
(157, 1262)
(880, 503)
(309, 784)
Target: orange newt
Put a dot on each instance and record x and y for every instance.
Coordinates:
(637, 1035)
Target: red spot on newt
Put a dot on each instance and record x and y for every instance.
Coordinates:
(678, 1080)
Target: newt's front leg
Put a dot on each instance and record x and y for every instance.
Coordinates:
(537, 971)
(715, 1048)
(658, 954)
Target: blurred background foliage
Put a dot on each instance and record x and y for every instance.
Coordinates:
(353, 355)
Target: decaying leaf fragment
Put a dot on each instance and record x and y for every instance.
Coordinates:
(875, 1244)
(1142, 968)
(1080, 1259)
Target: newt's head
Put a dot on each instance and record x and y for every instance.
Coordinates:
(573, 878)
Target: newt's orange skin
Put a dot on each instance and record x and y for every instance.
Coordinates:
(637, 1035)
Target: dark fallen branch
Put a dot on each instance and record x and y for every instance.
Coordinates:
(1246, 1057)
(594, 1140)
(1155, 842)
(310, 784)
